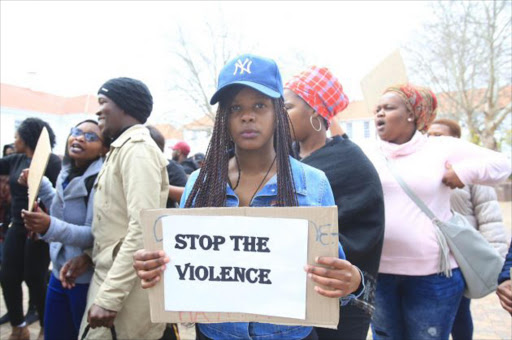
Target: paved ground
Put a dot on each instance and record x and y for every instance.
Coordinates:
(490, 320)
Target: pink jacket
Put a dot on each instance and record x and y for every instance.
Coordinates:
(410, 244)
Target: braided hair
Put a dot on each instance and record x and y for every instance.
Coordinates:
(209, 190)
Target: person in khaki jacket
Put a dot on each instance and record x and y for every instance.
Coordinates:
(133, 177)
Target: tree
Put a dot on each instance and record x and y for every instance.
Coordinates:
(465, 55)
(200, 50)
(200, 59)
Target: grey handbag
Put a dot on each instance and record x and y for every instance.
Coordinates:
(478, 261)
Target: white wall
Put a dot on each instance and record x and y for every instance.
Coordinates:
(355, 129)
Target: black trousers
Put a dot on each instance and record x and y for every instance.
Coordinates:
(353, 325)
(26, 260)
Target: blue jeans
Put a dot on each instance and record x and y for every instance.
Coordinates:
(416, 307)
(201, 336)
(64, 310)
(463, 325)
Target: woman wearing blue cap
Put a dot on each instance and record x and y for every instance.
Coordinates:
(248, 163)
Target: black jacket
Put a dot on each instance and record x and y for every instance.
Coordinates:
(358, 194)
(189, 165)
(12, 165)
(177, 177)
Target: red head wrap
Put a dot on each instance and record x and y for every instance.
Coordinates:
(321, 90)
(421, 101)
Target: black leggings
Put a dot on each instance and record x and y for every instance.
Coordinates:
(26, 260)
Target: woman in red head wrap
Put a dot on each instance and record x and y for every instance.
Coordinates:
(419, 284)
(313, 98)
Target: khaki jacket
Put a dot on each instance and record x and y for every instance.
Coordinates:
(133, 177)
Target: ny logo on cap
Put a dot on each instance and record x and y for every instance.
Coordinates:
(243, 67)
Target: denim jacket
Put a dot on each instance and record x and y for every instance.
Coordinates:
(312, 189)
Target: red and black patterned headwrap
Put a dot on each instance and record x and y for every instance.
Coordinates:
(421, 101)
(321, 90)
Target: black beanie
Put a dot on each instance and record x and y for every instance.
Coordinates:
(131, 95)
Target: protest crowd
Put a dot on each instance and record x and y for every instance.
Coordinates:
(80, 250)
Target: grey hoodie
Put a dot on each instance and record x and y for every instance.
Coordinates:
(71, 218)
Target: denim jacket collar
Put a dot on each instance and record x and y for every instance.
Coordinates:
(270, 189)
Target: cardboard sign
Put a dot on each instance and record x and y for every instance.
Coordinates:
(203, 306)
(38, 166)
(389, 72)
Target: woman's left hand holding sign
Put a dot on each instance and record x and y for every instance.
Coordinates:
(336, 278)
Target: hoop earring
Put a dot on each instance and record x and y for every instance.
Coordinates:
(313, 125)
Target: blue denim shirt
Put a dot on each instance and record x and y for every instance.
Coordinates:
(505, 271)
(313, 189)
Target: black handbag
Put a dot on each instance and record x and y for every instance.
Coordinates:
(112, 331)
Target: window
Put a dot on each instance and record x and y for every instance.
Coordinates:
(366, 129)
(348, 129)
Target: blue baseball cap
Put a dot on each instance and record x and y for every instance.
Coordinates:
(259, 73)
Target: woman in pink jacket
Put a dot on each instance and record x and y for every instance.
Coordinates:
(414, 298)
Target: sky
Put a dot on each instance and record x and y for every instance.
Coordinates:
(71, 48)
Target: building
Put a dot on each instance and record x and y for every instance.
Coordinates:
(171, 134)
(17, 103)
(357, 122)
(197, 134)
(62, 113)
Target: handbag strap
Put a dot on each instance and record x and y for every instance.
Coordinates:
(444, 264)
(112, 331)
